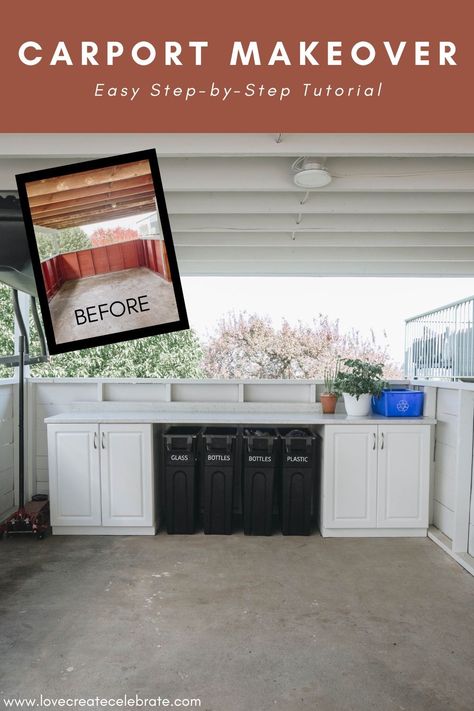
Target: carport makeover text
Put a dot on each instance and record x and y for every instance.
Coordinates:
(171, 53)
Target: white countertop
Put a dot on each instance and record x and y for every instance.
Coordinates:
(234, 417)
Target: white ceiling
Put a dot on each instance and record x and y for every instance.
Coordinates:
(398, 205)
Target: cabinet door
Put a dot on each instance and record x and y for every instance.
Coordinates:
(350, 476)
(404, 475)
(74, 475)
(126, 475)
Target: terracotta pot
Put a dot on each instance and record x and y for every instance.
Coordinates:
(328, 403)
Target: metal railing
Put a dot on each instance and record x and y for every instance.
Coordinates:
(440, 343)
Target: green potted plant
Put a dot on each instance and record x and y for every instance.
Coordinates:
(358, 380)
(330, 395)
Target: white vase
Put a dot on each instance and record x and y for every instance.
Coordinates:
(358, 407)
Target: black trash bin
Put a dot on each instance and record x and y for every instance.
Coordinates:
(300, 457)
(181, 446)
(219, 460)
(260, 461)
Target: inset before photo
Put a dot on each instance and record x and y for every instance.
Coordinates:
(102, 251)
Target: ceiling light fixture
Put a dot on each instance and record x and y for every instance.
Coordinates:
(310, 174)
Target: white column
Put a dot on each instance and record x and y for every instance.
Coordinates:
(463, 471)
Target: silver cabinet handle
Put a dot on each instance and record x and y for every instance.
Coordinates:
(382, 441)
(95, 440)
(375, 441)
(103, 440)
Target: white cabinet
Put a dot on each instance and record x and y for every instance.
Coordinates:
(126, 468)
(74, 475)
(101, 478)
(403, 477)
(350, 486)
(375, 480)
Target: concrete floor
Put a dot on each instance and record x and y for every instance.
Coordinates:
(242, 623)
(105, 289)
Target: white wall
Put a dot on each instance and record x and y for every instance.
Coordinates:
(453, 477)
(7, 453)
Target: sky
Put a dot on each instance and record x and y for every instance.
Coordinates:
(364, 303)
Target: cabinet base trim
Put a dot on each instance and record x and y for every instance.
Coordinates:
(104, 531)
(374, 532)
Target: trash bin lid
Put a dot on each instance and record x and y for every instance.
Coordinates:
(180, 437)
(179, 442)
(296, 433)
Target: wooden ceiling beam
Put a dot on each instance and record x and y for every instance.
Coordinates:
(303, 267)
(318, 202)
(376, 175)
(82, 206)
(100, 215)
(323, 223)
(75, 223)
(142, 181)
(354, 255)
(82, 146)
(88, 178)
(295, 240)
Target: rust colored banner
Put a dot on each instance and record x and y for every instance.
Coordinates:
(252, 66)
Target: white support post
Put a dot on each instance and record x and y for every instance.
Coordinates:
(463, 471)
(429, 410)
(430, 400)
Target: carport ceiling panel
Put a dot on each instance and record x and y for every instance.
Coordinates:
(406, 202)
(92, 196)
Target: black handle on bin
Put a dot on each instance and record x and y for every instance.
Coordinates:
(251, 442)
(169, 440)
(308, 443)
(228, 441)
